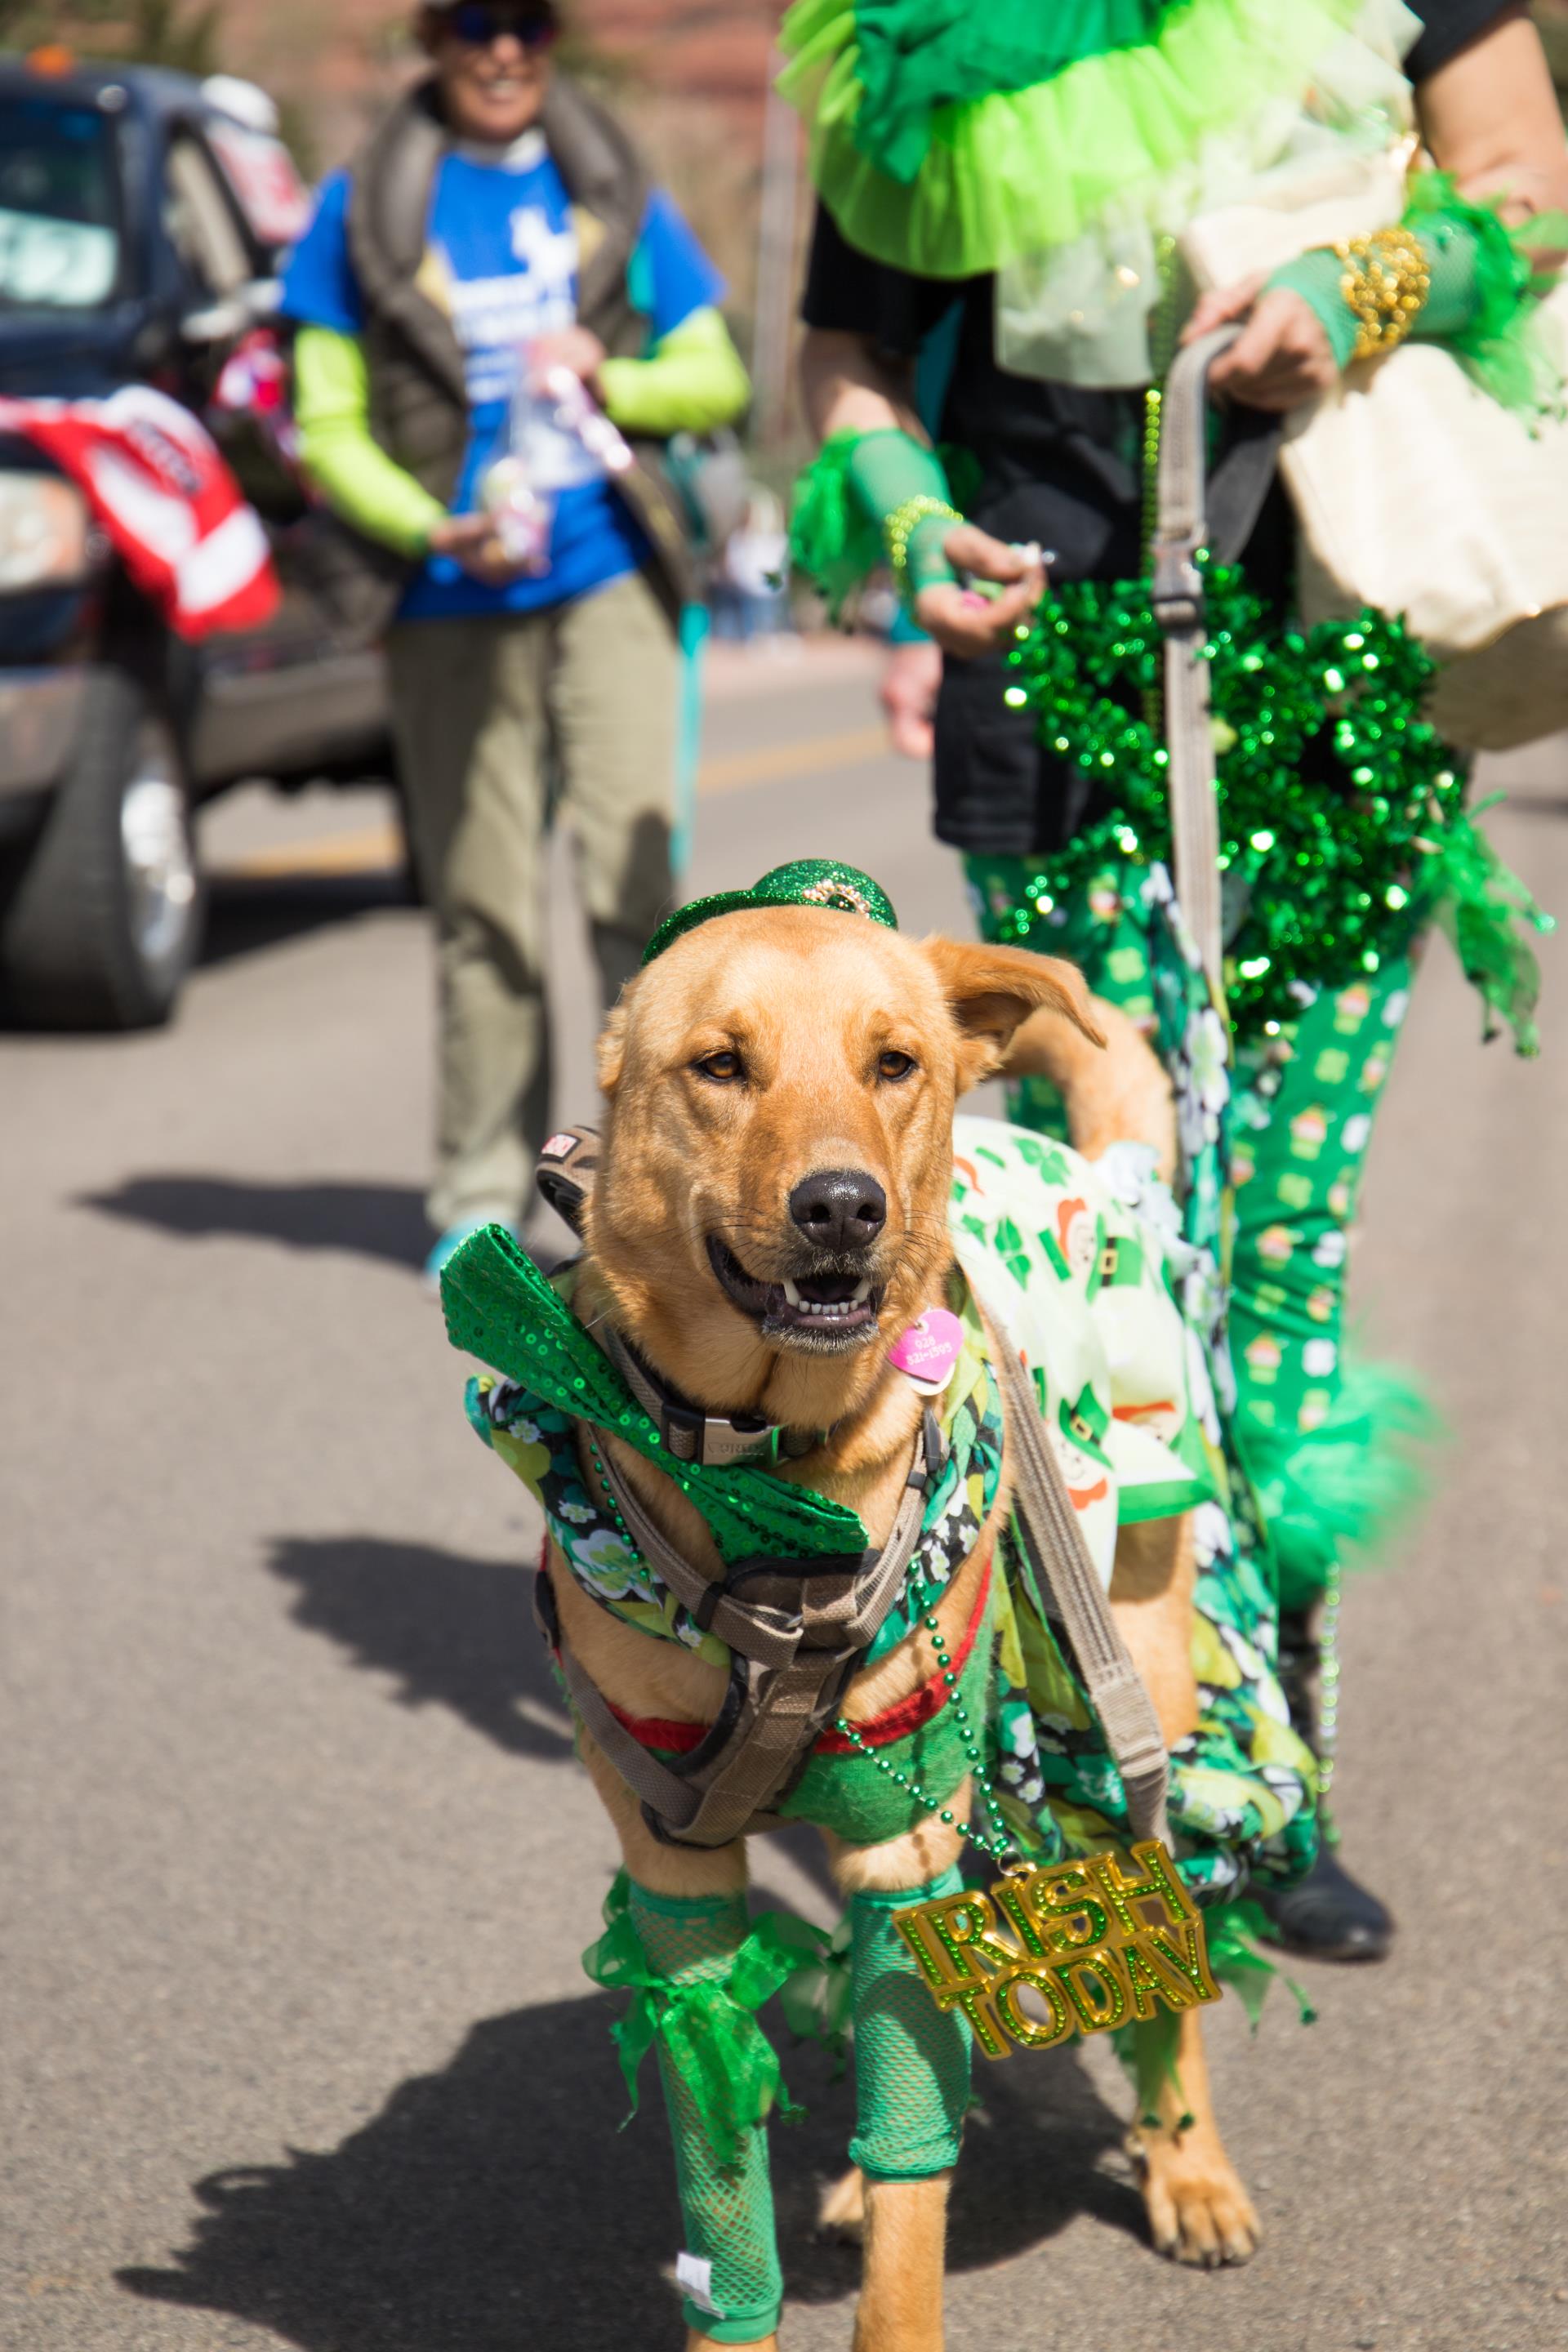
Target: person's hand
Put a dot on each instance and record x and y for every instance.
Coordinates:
(568, 347)
(908, 695)
(1281, 358)
(962, 620)
(471, 542)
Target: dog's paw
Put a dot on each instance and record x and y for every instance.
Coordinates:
(1198, 2210)
(841, 2213)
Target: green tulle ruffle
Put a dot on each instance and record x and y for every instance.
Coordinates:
(916, 55)
(957, 185)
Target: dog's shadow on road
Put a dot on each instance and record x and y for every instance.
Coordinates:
(375, 1221)
(249, 913)
(495, 2206)
(454, 1630)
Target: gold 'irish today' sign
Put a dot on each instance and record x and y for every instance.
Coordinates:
(1082, 1949)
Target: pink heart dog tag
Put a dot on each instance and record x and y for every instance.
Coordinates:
(929, 1350)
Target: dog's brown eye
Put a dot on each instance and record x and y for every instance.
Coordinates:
(894, 1066)
(723, 1069)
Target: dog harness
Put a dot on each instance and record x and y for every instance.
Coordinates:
(1094, 1368)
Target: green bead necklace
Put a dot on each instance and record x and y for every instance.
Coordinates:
(999, 1845)
(604, 1478)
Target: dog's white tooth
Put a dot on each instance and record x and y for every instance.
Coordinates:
(862, 1290)
(791, 1292)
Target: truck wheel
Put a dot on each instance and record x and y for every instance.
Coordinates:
(107, 916)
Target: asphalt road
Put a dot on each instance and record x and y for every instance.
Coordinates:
(294, 2044)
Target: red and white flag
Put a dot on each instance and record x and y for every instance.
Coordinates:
(159, 486)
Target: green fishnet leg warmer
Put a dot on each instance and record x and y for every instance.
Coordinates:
(727, 2211)
(911, 2059)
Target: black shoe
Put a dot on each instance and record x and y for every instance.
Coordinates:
(1328, 1917)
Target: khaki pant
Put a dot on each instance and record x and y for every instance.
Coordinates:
(483, 713)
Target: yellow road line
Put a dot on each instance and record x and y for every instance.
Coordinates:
(367, 851)
(775, 762)
(375, 848)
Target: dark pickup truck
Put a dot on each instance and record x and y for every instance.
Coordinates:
(134, 222)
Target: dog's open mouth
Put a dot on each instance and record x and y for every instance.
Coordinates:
(824, 1310)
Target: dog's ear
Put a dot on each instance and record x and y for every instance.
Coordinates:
(610, 1052)
(990, 991)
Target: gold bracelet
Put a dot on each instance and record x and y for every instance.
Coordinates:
(900, 527)
(1385, 282)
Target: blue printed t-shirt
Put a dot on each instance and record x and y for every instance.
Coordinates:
(501, 255)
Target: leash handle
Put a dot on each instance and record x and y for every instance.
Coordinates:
(1176, 595)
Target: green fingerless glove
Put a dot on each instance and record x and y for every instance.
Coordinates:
(863, 491)
(901, 484)
(1315, 276)
(1451, 251)
(1480, 301)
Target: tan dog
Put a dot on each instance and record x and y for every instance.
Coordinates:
(759, 1055)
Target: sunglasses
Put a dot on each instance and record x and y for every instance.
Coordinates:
(479, 24)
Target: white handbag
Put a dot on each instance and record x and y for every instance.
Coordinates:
(1415, 492)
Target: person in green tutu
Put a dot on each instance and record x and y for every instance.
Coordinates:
(994, 285)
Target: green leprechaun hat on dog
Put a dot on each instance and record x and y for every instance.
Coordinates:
(804, 882)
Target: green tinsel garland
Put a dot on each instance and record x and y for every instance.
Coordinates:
(1332, 877)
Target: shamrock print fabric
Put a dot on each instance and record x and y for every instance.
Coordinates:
(1127, 1395)
(1306, 1096)
(1242, 1784)
(1081, 1286)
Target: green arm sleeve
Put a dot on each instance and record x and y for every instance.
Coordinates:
(692, 380)
(357, 479)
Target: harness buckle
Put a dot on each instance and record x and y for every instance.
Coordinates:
(684, 1428)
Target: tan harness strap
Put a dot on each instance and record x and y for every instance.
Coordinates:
(650, 1781)
(768, 1636)
(822, 1620)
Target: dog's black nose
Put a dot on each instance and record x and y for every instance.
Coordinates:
(839, 1208)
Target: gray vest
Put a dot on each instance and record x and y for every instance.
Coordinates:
(418, 403)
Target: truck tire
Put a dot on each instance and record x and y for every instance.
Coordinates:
(106, 919)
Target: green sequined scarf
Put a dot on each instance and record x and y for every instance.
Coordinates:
(500, 1307)
(530, 1417)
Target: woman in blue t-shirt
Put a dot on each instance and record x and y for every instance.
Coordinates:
(498, 212)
